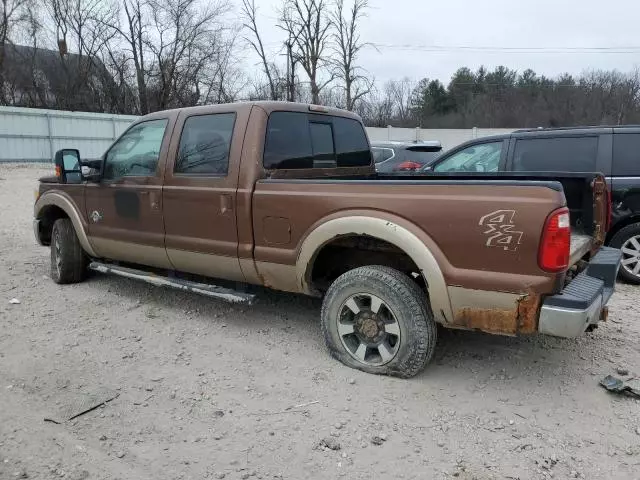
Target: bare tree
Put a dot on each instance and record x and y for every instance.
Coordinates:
(13, 13)
(347, 45)
(188, 36)
(249, 16)
(134, 34)
(400, 94)
(308, 26)
(81, 29)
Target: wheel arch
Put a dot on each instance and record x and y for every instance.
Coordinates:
(53, 205)
(625, 222)
(389, 228)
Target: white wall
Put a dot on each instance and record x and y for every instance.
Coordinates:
(34, 135)
(448, 137)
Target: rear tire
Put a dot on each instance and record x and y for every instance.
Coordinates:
(68, 260)
(628, 240)
(378, 320)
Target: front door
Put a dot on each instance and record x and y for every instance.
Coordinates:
(199, 196)
(124, 209)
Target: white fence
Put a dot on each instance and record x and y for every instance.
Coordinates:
(448, 137)
(34, 135)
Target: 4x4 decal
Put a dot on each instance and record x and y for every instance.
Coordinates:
(500, 229)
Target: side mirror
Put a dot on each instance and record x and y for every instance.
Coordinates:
(90, 170)
(67, 164)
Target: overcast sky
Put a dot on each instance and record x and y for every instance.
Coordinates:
(558, 31)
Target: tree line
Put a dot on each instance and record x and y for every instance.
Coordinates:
(140, 56)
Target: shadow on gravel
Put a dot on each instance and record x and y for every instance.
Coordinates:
(467, 351)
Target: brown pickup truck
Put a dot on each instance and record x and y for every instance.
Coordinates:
(286, 196)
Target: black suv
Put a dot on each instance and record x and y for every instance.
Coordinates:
(613, 151)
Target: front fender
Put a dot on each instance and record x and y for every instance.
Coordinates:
(64, 202)
(391, 229)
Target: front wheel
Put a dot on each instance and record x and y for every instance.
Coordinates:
(628, 241)
(68, 260)
(378, 320)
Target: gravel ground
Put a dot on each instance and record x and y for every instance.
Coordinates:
(206, 388)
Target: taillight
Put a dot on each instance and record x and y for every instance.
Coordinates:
(555, 245)
(409, 166)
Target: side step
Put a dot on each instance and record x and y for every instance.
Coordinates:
(226, 294)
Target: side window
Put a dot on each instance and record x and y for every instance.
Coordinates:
(204, 144)
(626, 155)
(288, 142)
(301, 140)
(484, 157)
(352, 145)
(561, 154)
(136, 153)
(381, 154)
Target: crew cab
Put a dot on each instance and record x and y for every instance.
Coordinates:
(286, 196)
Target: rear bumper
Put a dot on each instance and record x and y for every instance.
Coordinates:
(582, 302)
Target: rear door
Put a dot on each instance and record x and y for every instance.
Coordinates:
(125, 208)
(549, 152)
(199, 195)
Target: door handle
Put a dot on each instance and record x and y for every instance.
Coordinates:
(226, 204)
(153, 199)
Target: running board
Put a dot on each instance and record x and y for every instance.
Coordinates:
(226, 294)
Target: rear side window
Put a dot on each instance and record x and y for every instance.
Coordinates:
(300, 140)
(626, 155)
(204, 144)
(352, 146)
(324, 152)
(568, 154)
(381, 154)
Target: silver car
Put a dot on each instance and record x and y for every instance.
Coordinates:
(404, 156)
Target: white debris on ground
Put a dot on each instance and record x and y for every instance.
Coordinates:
(197, 400)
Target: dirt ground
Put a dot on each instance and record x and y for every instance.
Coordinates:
(210, 390)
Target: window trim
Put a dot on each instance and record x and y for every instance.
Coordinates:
(115, 142)
(208, 175)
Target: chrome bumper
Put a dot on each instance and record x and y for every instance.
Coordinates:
(581, 303)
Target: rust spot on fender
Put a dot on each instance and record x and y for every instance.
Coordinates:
(504, 322)
(528, 308)
(523, 319)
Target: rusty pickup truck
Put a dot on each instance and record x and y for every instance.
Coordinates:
(286, 196)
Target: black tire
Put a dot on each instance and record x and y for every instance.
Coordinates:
(408, 304)
(618, 241)
(68, 260)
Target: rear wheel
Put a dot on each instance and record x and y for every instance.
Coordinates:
(68, 260)
(628, 241)
(378, 320)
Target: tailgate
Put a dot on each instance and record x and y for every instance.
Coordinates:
(589, 207)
